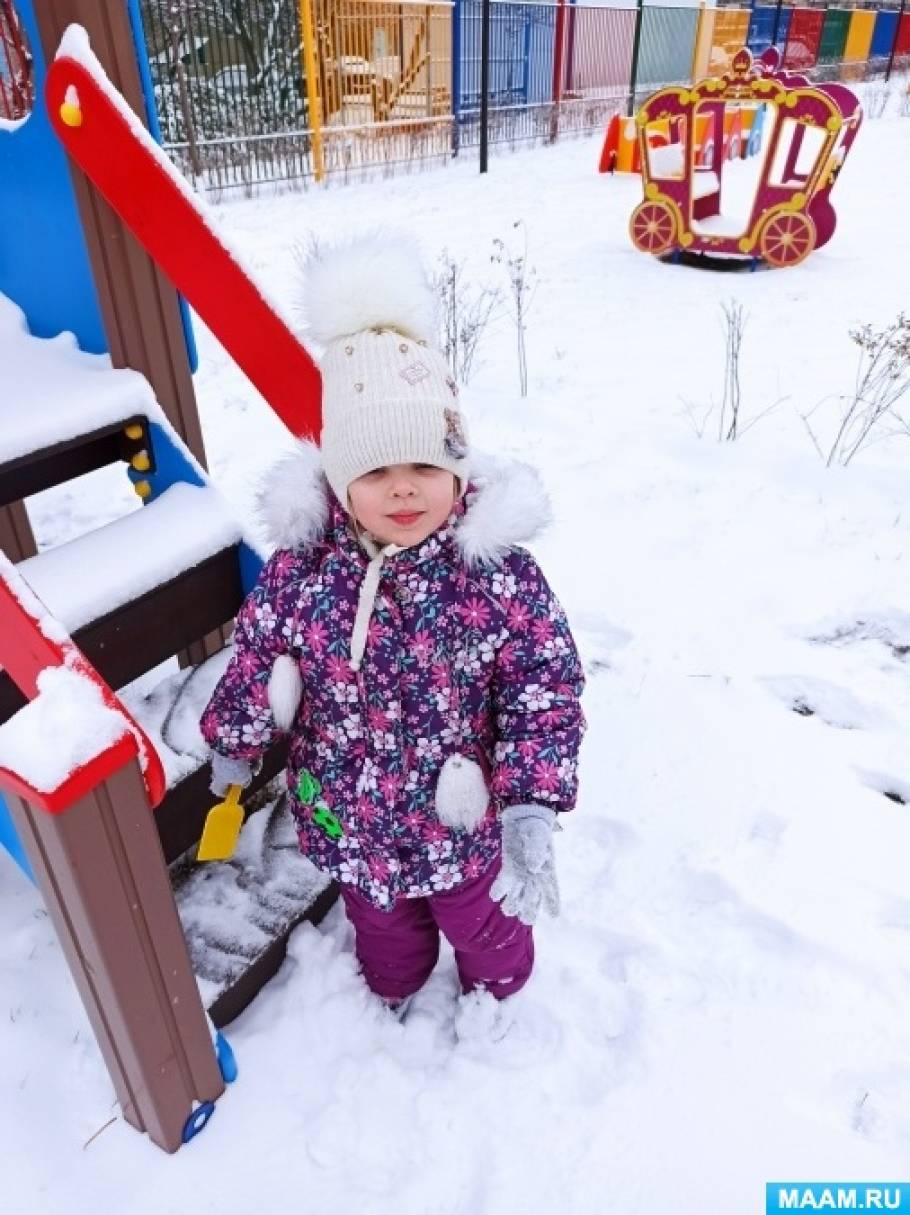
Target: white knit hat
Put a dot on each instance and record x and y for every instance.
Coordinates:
(388, 396)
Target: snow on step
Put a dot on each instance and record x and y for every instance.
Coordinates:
(97, 573)
(231, 911)
(52, 391)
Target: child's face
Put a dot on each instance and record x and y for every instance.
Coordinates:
(403, 503)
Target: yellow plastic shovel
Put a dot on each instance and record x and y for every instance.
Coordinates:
(222, 828)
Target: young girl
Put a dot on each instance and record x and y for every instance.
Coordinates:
(418, 659)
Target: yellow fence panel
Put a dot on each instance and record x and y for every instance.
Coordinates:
(859, 36)
(380, 61)
(704, 40)
(731, 32)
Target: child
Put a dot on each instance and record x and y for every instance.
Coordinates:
(419, 661)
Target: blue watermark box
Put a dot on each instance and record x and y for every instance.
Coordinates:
(837, 1196)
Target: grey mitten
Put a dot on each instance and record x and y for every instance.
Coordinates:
(227, 772)
(528, 874)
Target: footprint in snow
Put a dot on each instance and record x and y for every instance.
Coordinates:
(889, 629)
(597, 640)
(834, 705)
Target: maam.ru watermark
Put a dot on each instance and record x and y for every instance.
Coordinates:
(837, 1196)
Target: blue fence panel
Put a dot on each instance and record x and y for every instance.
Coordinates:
(783, 29)
(883, 35)
(761, 28)
(540, 41)
(522, 45)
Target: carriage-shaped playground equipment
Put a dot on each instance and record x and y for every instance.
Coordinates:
(780, 213)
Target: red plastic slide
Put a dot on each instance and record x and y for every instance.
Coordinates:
(114, 150)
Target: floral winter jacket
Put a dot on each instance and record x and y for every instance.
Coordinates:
(466, 700)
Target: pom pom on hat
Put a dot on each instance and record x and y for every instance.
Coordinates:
(374, 281)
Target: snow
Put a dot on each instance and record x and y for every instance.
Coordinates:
(132, 555)
(12, 124)
(232, 911)
(723, 999)
(63, 728)
(25, 596)
(52, 391)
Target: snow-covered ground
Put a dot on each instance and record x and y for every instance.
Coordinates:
(724, 999)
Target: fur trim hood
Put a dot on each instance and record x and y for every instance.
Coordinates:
(508, 505)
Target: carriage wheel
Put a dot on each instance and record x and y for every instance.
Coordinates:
(652, 228)
(787, 239)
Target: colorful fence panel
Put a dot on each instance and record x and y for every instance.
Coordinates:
(783, 27)
(884, 35)
(804, 38)
(859, 36)
(834, 35)
(522, 41)
(598, 53)
(761, 28)
(731, 31)
(902, 42)
(667, 45)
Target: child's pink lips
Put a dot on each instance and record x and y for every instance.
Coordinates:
(406, 517)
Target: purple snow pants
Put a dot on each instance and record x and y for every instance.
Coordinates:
(398, 949)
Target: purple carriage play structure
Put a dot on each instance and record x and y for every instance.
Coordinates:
(809, 130)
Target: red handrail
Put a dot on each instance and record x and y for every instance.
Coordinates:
(116, 152)
(31, 640)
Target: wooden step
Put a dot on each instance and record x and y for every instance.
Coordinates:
(34, 471)
(167, 575)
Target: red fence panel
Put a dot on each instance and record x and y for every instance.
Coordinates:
(598, 51)
(804, 38)
(902, 43)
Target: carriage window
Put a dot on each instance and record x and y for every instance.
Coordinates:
(797, 154)
(666, 143)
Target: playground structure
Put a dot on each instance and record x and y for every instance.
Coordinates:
(808, 132)
(81, 622)
(741, 139)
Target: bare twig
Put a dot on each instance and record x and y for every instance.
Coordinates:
(522, 285)
(734, 326)
(465, 314)
(882, 380)
(699, 424)
(110, 1122)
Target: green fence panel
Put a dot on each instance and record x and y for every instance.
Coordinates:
(667, 45)
(834, 35)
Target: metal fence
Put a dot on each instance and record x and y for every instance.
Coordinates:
(16, 78)
(256, 91)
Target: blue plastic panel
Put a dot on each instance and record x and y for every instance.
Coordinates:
(11, 842)
(44, 266)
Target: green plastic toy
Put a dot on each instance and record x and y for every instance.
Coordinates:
(324, 818)
(308, 788)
